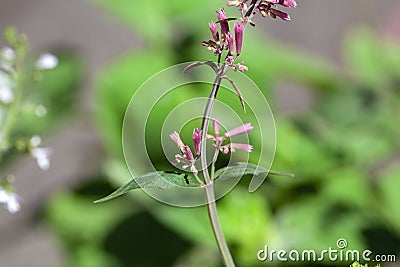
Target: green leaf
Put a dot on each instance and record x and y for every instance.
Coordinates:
(389, 183)
(248, 223)
(242, 168)
(366, 57)
(157, 180)
(201, 63)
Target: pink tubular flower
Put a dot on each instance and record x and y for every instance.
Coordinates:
(214, 31)
(238, 130)
(187, 159)
(231, 43)
(239, 37)
(233, 146)
(177, 139)
(196, 141)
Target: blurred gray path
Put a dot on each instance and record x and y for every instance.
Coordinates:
(317, 28)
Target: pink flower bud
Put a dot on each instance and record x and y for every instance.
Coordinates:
(242, 67)
(214, 31)
(231, 43)
(239, 37)
(230, 60)
(221, 15)
(290, 3)
(188, 153)
(196, 141)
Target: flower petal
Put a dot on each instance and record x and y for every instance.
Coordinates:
(46, 61)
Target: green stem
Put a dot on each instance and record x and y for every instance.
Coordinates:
(216, 226)
(209, 185)
(213, 163)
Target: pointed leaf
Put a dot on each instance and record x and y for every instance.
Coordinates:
(201, 63)
(238, 92)
(242, 168)
(157, 180)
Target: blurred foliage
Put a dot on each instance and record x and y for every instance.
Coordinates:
(57, 91)
(48, 100)
(344, 151)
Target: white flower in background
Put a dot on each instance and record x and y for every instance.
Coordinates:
(35, 141)
(10, 201)
(6, 95)
(6, 85)
(8, 53)
(46, 61)
(40, 111)
(3, 195)
(40, 154)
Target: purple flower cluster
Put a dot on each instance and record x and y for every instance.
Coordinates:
(267, 8)
(224, 41)
(186, 158)
(264, 7)
(231, 147)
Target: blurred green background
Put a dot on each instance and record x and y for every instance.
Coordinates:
(335, 97)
